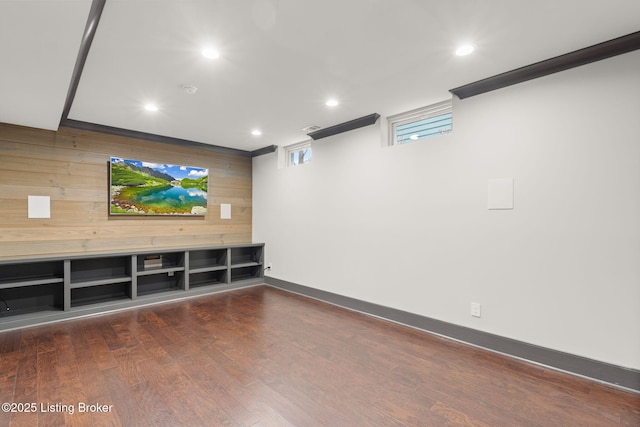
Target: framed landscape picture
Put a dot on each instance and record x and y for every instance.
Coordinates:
(144, 188)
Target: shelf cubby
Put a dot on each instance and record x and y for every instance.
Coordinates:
(247, 272)
(207, 278)
(204, 260)
(31, 274)
(246, 256)
(160, 263)
(161, 282)
(31, 299)
(100, 293)
(100, 271)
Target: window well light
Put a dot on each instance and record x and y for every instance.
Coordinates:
(332, 103)
(464, 50)
(210, 53)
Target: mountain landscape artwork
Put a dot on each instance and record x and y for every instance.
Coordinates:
(145, 188)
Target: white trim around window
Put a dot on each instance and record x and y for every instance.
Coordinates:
(298, 154)
(421, 123)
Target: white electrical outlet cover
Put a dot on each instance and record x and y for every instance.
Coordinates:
(476, 309)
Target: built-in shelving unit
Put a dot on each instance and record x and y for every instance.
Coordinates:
(160, 272)
(246, 263)
(102, 279)
(208, 266)
(27, 288)
(35, 291)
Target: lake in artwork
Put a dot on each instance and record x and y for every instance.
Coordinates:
(144, 188)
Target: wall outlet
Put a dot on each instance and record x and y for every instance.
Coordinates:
(475, 309)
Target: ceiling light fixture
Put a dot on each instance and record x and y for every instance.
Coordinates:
(464, 50)
(256, 132)
(190, 89)
(151, 107)
(332, 103)
(210, 53)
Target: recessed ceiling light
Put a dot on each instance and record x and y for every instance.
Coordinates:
(464, 50)
(256, 132)
(332, 103)
(210, 53)
(151, 107)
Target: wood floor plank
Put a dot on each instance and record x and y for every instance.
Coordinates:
(26, 388)
(102, 355)
(215, 386)
(48, 380)
(152, 405)
(264, 357)
(121, 408)
(10, 342)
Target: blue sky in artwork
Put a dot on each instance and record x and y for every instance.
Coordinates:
(176, 171)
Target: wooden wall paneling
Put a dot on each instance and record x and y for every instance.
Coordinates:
(71, 166)
(34, 233)
(21, 134)
(10, 162)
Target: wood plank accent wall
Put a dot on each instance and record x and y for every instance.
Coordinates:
(72, 167)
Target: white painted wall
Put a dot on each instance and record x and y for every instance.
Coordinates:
(408, 226)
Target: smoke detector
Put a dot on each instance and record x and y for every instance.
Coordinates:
(189, 89)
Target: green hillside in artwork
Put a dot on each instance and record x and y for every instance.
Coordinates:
(201, 183)
(121, 174)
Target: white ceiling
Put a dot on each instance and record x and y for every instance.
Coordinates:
(280, 59)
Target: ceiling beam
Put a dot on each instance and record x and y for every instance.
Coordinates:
(564, 62)
(264, 150)
(90, 28)
(92, 127)
(345, 127)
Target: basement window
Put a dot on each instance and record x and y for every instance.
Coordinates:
(422, 123)
(298, 154)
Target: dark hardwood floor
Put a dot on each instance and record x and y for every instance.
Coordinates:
(264, 357)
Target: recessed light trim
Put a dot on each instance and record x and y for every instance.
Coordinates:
(210, 52)
(332, 103)
(464, 50)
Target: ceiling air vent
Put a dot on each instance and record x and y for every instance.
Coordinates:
(310, 129)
